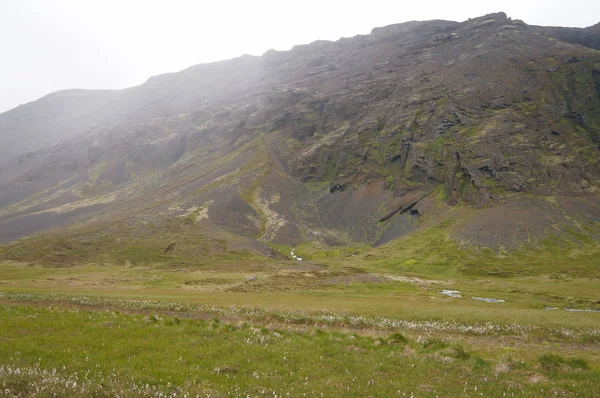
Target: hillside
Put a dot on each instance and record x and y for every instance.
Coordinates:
(488, 127)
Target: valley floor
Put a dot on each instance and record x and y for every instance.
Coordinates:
(292, 329)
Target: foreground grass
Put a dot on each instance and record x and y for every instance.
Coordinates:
(350, 322)
(81, 352)
(327, 319)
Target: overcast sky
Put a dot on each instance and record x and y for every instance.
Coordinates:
(50, 45)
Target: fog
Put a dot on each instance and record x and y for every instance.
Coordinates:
(53, 45)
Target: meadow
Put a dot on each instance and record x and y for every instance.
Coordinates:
(398, 320)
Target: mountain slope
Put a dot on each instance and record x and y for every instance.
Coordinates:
(589, 37)
(486, 124)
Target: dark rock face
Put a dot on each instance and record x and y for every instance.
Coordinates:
(343, 141)
(450, 113)
(589, 37)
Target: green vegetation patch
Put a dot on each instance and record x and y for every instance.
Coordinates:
(76, 352)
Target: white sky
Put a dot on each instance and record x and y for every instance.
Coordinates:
(50, 45)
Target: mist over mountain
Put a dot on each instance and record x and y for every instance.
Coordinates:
(488, 126)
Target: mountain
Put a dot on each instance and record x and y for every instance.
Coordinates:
(487, 128)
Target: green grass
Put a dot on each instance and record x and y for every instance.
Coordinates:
(315, 251)
(432, 252)
(80, 352)
(553, 361)
(114, 311)
(121, 244)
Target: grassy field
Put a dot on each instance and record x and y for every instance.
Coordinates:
(75, 351)
(348, 322)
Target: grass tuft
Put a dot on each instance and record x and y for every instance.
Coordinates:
(397, 338)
